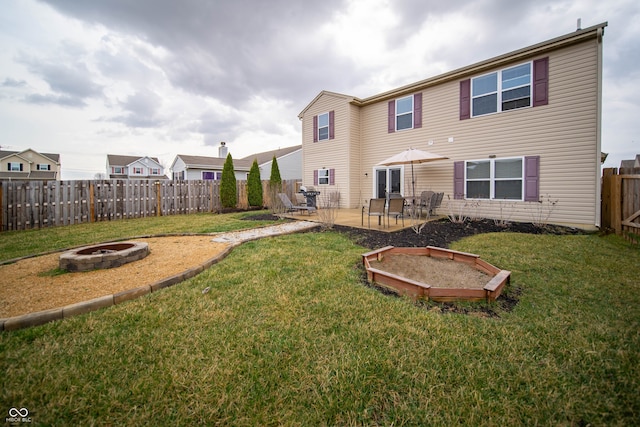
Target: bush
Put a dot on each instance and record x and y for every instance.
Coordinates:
(254, 185)
(228, 189)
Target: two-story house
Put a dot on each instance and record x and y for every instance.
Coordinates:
(134, 167)
(29, 165)
(518, 129)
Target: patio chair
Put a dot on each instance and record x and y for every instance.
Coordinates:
(376, 208)
(426, 198)
(290, 207)
(396, 209)
(436, 201)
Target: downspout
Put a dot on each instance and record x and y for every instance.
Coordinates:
(598, 183)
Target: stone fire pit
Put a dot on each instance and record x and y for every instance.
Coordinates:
(102, 256)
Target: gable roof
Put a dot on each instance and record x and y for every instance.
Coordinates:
(328, 93)
(205, 162)
(118, 160)
(477, 68)
(53, 157)
(267, 156)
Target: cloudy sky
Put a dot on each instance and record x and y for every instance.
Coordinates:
(167, 77)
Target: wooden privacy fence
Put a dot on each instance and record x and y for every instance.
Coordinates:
(621, 202)
(35, 204)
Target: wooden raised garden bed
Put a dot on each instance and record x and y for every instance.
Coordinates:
(425, 287)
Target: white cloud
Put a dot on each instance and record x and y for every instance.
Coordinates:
(162, 77)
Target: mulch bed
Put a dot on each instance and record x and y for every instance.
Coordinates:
(442, 233)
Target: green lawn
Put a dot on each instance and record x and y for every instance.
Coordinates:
(289, 335)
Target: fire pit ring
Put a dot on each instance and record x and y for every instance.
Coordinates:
(102, 256)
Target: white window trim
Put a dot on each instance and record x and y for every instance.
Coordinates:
(328, 126)
(12, 165)
(327, 177)
(493, 179)
(135, 168)
(499, 89)
(411, 112)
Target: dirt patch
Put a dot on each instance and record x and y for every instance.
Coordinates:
(439, 273)
(36, 284)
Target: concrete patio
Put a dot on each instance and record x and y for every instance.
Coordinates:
(358, 218)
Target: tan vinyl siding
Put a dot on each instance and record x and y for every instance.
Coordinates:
(333, 153)
(562, 133)
(355, 194)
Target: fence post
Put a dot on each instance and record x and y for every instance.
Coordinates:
(92, 203)
(1, 210)
(616, 204)
(158, 200)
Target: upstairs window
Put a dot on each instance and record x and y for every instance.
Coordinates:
(118, 170)
(155, 171)
(137, 171)
(404, 113)
(14, 167)
(43, 167)
(323, 126)
(503, 90)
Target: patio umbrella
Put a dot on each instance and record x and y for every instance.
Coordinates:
(411, 156)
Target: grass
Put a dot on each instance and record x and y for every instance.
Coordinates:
(288, 335)
(14, 244)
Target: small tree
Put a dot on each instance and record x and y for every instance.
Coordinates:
(275, 187)
(254, 185)
(228, 190)
(274, 179)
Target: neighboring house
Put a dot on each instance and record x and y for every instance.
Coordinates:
(185, 167)
(289, 160)
(29, 165)
(629, 165)
(134, 167)
(518, 129)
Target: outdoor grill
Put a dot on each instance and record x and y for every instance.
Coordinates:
(310, 194)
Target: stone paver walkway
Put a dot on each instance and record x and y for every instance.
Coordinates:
(237, 237)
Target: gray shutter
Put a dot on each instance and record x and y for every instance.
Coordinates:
(465, 99)
(332, 116)
(391, 126)
(315, 128)
(417, 110)
(458, 180)
(532, 179)
(541, 81)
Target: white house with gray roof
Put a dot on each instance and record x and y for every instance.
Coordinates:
(186, 167)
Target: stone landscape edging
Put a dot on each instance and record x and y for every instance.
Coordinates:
(45, 316)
